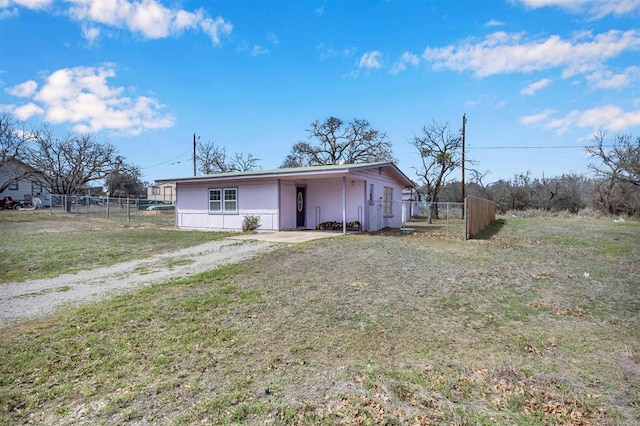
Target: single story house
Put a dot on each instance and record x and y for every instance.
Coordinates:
(413, 199)
(21, 183)
(355, 196)
(165, 192)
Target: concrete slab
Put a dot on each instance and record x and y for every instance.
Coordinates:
(287, 236)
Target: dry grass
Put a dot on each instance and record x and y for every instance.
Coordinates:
(362, 329)
(38, 244)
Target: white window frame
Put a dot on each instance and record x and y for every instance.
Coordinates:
(224, 205)
(387, 201)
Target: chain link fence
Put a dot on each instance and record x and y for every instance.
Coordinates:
(122, 209)
(443, 218)
(436, 218)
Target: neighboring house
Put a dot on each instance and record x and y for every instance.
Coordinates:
(23, 183)
(413, 198)
(90, 190)
(368, 196)
(165, 192)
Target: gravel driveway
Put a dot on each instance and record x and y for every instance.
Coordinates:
(31, 299)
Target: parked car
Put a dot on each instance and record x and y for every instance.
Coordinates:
(145, 204)
(162, 207)
(95, 201)
(9, 203)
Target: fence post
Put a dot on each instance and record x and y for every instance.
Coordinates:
(108, 207)
(447, 220)
(128, 210)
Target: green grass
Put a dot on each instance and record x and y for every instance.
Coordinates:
(41, 245)
(361, 329)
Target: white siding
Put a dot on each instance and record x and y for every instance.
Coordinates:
(255, 199)
(326, 201)
(273, 199)
(26, 188)
(287, 205)
(380, 179)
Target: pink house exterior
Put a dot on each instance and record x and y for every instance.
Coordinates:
(296, 198)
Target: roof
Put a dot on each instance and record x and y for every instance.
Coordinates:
(317, 171)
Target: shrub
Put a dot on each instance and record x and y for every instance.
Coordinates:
(250, 223)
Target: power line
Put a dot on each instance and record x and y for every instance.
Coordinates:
(168, 161)
(535, 147)
(527, 147)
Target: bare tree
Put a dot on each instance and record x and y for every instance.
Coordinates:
(439, 150)
(617, 170)
(618, 162)
(213, 159)
(68, 164)
(14, 139)
(124, 179)
(337, 141)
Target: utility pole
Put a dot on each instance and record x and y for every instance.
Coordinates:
(194, 154)
(464, 122)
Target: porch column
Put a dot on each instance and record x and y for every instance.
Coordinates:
(344, 205)
(279, 207)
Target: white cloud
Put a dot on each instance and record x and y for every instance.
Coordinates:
(606, 79)
(29, 4)
(273, 39)
(186, 20)
(23, 90)
(151, 19)
(608, 117)
(259, 50)
(327, 51)
(370, 60)
(147, 18)
(24, 112)
(534, 87)
(407, 58)
(8, 12)
(82, 97)
(501, 53)
(593, 8)
(90, 33)
(536, 118)
(494, 23)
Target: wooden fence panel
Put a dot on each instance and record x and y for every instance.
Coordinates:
(480, 213)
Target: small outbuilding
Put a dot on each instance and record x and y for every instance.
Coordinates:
(340, 197)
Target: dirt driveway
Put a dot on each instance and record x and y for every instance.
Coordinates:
(287, 236)
(31, 299)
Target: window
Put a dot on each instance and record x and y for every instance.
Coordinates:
(230, 200)
(223, 200)
(13, 186)
(215, 205)
(36, 188)
(155, 190)
(387, 201)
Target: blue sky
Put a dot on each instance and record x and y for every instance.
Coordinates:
(252, 75)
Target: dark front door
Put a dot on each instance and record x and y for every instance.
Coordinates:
(301, 206)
